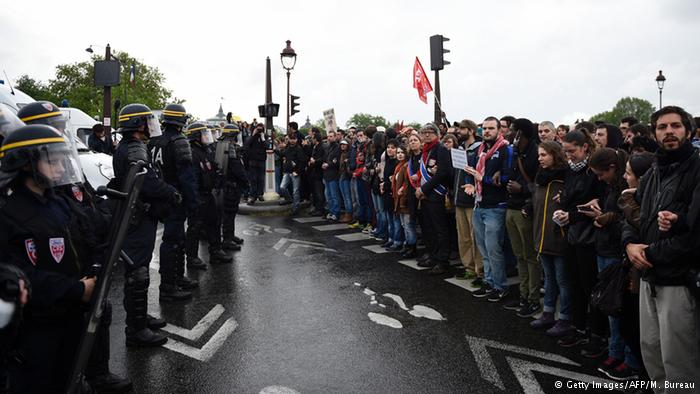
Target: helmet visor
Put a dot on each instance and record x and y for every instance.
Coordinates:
(56, 165)
(207, 138)
(8, 121)
(153, 127)
(58, 122)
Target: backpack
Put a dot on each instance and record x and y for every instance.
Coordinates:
(607, 294)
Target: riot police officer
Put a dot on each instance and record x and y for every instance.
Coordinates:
(172, 157)
(137, 124)
(206, 216)
(82, 193)
(44, 234)
(234, 179)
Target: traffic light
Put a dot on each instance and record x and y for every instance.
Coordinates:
(293, 105)
(437, 60)
(268, 109)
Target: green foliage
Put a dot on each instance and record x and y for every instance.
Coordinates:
(75, 83)
(362, 120)
(628, 106)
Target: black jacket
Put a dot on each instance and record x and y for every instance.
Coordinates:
(314, 171)
(97, 145)
(294, 159)
(580, 187)
(441, 176)
(673, 184)
(608, 238)
(256, 148)
(332, 158)
(528, 158)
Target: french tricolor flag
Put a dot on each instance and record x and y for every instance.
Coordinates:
(132, 75)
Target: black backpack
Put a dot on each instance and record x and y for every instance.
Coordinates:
(607, 294)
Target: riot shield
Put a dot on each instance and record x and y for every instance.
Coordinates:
(125, 203)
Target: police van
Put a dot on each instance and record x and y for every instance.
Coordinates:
(96, 166)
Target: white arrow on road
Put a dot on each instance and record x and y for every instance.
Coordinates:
(524, 369)
(297, 243)
(200, 328)
(210, 348)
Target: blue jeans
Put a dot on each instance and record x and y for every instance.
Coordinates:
(332, 193)
(489, 232)
(397, 235)
(355, 198)
(364, 214)
(408, 223)
(556, 284)
(278, 177)
(616, 346)
(381, 227)
(295, 180)
(346, 195)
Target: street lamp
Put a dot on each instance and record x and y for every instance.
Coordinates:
(660, 79)
(289, 59)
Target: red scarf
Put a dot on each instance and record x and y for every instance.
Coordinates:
(427, 147)
(481, 164)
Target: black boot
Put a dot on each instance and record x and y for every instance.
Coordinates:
(196, 264)
(110, 383)
(173, 293)
(410, 252)
(230, 245)
(136, 304)
(186, 283)
(218, 256)
(155, 323)
(180, 279)
(238, 240)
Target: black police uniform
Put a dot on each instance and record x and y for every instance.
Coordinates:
(153, 204)
(171, 155)
(234, 181)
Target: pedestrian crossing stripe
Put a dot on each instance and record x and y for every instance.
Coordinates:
(310, 219)
(331, 227)
(376, 249)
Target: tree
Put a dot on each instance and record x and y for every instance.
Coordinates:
(74, 82)
(362, 120)
(627, 106)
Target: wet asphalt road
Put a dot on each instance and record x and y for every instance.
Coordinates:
(300, 322)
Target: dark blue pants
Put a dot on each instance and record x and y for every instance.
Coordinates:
(172, 249)
(139, 243)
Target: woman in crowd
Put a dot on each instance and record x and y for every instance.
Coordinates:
(550, 239)
(395, 233)
(450, 141)
(373, 166)
(345, 176)
(401, 187)
(415, 149)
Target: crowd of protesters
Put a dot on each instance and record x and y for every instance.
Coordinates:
(560, 205)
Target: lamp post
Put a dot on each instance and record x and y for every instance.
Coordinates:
(289, 59)
(660, 79)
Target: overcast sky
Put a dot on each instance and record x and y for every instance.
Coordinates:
(546, 60)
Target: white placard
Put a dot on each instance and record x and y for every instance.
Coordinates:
(459, 158)
(329, 120)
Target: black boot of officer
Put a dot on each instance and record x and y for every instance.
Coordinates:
(137, 123)
(172, 156)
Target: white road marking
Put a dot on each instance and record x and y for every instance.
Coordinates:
(278, 390)
(524, 369)
(282, 230)
(397, 299)
(352, 237)
(331, 227)
(310, 219)
(283, 241)
(425, 312)
(290, 250)
(413, 264)
(384, 320)
(369, 292)
(209, 348)
(465, 284)
(376, 249)
(200, 328)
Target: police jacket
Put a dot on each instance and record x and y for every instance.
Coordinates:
(43, 236)
(172, 157)
(204, 167)
(256, 148)
(332, 158)
(235, 170)
(523, 171)
(672, 184)
(154, 190)
(294, 159)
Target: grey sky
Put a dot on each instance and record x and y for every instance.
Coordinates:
(555, 60)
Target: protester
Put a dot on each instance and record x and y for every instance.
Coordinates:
(331, 176)
(256, 153)
(99, 141)
(293, 163)
(546, 131)
(345, 179)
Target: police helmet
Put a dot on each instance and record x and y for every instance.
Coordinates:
(231, 128)
(43, 112)
(133, 116)
(198, 131)
(175, 114)
(8, 122)
(52, 161)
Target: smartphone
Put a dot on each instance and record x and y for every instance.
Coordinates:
(584, 208)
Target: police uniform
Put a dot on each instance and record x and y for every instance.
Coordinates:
(205, 217)
(172, 157)
(234, 181)
(153, 204)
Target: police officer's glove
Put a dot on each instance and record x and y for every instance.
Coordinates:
(177, 198)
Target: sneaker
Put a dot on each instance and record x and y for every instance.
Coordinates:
(439, 269)
(544, 322)
(478, 282)
(608, 365)
(483, 291)
(596, 347)
(498, 295)
(395, 248)
(561, 329)
(574, 338)
(515, 305)
(354, 225)
(529, 310)
(367, 229)
(622, 373)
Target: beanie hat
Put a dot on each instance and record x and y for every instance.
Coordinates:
(525, 127)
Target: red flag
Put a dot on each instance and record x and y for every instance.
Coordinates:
(421, 82)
